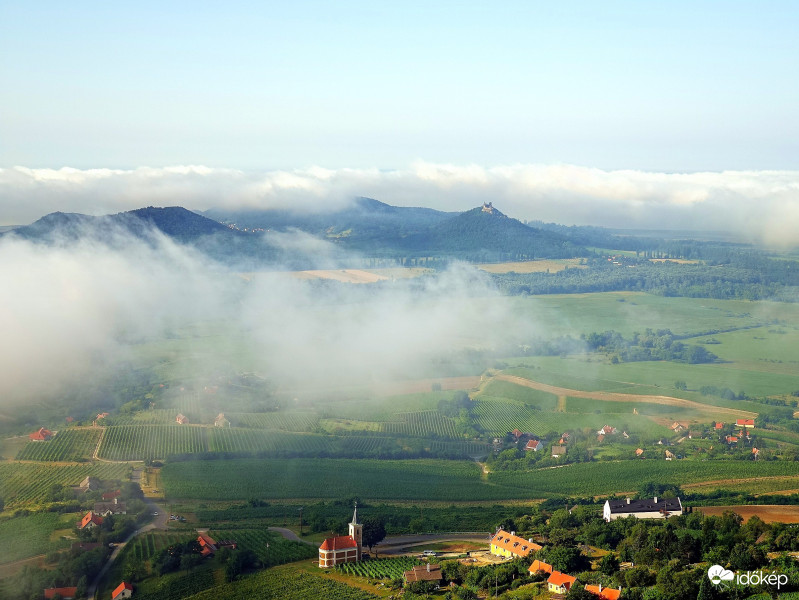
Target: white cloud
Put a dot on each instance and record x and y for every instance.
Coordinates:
(763, 205)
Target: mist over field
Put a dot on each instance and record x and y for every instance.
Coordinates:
(761, 206)
(72, 311)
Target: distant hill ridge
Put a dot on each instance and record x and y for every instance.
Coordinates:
(366, 226)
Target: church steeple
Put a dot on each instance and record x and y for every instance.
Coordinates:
(356, 531)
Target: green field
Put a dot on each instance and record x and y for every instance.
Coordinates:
(271, 548)
(32, 535)
(386, 568)
(69, 445)
(331, 478)
(138, 442)
(22, 484)
(284, 584)
(586, 479)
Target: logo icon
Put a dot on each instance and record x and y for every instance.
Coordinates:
(719, 575)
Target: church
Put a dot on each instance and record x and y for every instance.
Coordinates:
(343, 548)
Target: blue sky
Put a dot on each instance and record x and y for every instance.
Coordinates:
(656, 86)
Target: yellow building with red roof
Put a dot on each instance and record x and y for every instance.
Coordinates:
(511, 545)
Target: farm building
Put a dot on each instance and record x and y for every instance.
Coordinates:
(560, 583)
(209, 545)
(90, 520)
(642, 509)
(604, 593)
(343, 548)
(607, 430)
(558, 450)
(65, 593)
(123, 590)
(748, 423)
(426, 572)
(110, 508)
(89, 484)
(43, 435)
(539, 565)
(109, 496)
(534, 445)
(221, 421)
(181, 419)
(510, 545)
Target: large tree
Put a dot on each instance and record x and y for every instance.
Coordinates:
(374, 531)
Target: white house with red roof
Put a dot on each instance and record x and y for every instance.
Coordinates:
(90, 520)
(534, 445)
(123, 590)
(343, 548)
(749, 423)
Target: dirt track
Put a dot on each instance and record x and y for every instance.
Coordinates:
(616, 397)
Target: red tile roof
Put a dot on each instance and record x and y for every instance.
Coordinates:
(111, 495)
(41, 435)
(604, 593)
(745, 422)
(424, 573)
(719, 425)
(120, 588)
(64, 592)
(533, 445)
(515, 544)
(90, 518)
(539, 565)
(339, 542)
(559, 579)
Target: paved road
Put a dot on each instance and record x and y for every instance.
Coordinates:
(395, 544)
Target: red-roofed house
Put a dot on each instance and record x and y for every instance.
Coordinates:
(731, 439)
(534, 445)
(65, 592)
(517, 434)
(539, 565)
(510, 545)
(207, 543)
(123, 590)
(639, 452)
(42, 435)
(559, 583)
(719, 425)
(111, 495)
(181, 419)
(604, 593)
(750, 423)
(343, 548)
(90, 520)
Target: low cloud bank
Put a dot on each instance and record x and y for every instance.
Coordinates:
(758, 205)
(73, 313)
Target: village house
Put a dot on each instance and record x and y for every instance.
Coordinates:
(89, 484)
(65, 593)
(731, 439)
(748, 423)
(510, 545)
(209, 546)
(221, 421)
(719, 425)
(114, 507)
(533, 445)
(539, 565)
(43, 435)
(669, 455)
(123, 590)
(343, 548)
(558, 451)
(604, 593)
(560, 583)
(607, 430)
(181, 419)
(109, 496)
(639, 452)
(677, 427)
(90, 521)
(642, 509)
(426, 572)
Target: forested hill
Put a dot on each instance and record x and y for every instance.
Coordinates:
(174, 221)
(485, 230)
